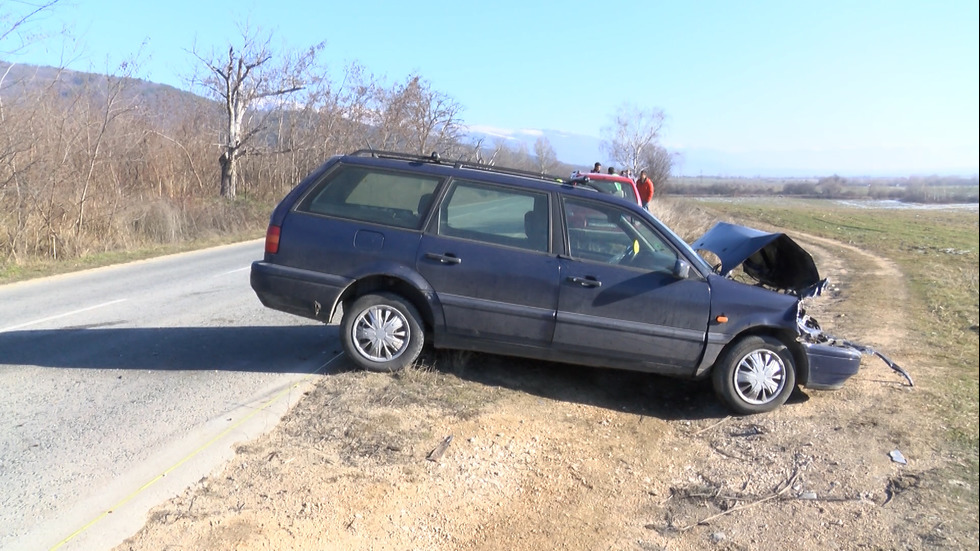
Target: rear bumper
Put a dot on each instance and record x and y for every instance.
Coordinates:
(830, 366)
(294, 291)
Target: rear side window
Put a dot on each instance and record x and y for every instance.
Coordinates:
(372, 195)
(496, 214)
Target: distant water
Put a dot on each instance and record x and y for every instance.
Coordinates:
(892, 204)
(883, 204)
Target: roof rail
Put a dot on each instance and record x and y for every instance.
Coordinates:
(378, 154)
(459, 163)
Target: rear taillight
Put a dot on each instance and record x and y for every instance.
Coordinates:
(272, 240)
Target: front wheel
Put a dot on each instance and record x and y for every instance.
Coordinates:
(756, 375)
(382, 332)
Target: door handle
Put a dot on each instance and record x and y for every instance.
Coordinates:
(444, 258)
(585, 281)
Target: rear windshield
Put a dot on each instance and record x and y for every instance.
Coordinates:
(372, 195)
(619, 189)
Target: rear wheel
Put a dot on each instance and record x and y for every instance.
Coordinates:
(756, 375)
(382, 332)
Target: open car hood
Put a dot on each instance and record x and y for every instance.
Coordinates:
(772, 259)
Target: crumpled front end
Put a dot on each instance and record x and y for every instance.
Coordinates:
(833, 360)
(776, 262)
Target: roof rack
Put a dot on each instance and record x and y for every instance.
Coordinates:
(434, 158)
(378, 154)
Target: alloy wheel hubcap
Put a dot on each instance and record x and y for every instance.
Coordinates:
(381, 333)
(760, 376)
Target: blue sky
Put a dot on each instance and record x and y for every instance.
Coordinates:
(848, 87)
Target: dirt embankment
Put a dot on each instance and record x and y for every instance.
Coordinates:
(544, 456)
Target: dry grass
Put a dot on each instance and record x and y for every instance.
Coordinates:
(685, 217)
(143, 230)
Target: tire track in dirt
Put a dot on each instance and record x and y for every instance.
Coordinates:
(866, 290)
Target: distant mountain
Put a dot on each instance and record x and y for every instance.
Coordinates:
(20, 80)
(581, 150)
(573, 149)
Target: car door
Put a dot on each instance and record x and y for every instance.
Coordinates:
(619, 297)
(487, 256)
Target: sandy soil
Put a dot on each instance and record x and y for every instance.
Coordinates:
(476, 452)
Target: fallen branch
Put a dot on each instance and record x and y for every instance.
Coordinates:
(696, 433)
(787, 486)
(719, 451)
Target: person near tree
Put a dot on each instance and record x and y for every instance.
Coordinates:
(644, 185)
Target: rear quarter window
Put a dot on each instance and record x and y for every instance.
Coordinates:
(372, 195)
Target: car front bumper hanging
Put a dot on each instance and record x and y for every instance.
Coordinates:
(871, 351)
(831, 358)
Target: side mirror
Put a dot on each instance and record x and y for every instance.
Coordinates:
(681, 269)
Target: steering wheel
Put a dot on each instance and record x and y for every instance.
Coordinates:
(626, 257)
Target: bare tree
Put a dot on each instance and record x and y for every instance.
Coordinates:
(480, 153)
(633, 132)
(15, 18)
(12, 22)
(253, 83)
(388, 115)
(433, 118)
(516, 155)
(338, 113)
(414, 117)
(545, 155)
(658, 162)
(113, 107)
(831, 186)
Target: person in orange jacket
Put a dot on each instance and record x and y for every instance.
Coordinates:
(644, 185)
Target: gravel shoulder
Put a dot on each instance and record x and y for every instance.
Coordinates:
(476, 452)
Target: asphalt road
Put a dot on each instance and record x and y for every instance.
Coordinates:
(124, 385)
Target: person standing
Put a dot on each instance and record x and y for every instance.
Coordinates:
(597, 167)
(644, 186)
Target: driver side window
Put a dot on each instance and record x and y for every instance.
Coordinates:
(605, 233)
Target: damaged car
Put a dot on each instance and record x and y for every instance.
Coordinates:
(407, 251)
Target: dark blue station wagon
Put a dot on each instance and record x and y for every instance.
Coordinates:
(412, 250)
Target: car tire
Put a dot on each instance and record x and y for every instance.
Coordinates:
(755, 375)
(382, 332)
